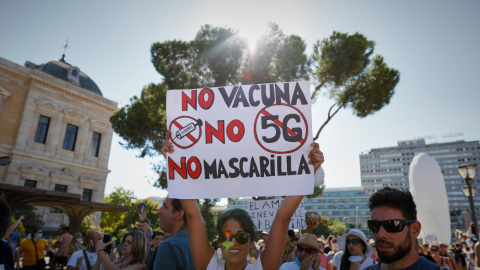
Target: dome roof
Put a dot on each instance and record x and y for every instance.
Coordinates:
(64, 71)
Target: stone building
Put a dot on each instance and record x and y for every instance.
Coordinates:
(54, 125)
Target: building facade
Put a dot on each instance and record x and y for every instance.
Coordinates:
(54, 125)
(348, 205)
(389, 167)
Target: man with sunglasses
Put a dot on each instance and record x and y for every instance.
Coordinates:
(394, 227)
(306, 253)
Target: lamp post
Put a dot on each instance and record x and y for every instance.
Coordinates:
(133, 200)
(467, 171)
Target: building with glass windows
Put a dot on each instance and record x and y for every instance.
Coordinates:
(389, 167)
(54, 126)
(348, 205)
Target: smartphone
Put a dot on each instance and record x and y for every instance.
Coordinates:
(107, 238)
(92, 246)
(142, 207)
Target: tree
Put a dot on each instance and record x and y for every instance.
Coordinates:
(88, 224)
(118, 222)
(31, 219)
(217, 56)
(342, 63)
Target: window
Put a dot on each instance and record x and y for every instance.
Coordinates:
(30, 183)
(70, 137)
(87, 195)
(95, 146)
(42, 129)
(61, 188)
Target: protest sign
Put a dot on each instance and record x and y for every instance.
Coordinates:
(240, 141)
(263, 212)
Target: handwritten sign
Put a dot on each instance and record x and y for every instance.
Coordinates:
(240, 141)
(263, 212)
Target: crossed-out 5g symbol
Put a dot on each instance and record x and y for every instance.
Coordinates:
(280, 128)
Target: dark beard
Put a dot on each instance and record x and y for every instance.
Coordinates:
(400, 251)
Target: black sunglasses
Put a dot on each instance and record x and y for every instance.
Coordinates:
(307, 250)
(391, 225)
(353, 241)
(240, 237)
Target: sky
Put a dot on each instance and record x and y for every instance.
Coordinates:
(433, 44)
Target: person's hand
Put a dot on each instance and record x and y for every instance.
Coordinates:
(316, 261)
(311, 222)
(142, 216)
(315, 156)
(167, 147)
(79, 262)
(100, 245)
(307, 262)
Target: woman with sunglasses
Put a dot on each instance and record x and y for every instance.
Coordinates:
(356, 251)
(237, 232)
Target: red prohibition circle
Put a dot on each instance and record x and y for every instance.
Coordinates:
(281, 152)
(194, 141)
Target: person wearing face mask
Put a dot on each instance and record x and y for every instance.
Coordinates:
(356, 251)
(334, 248)
(75, 244)
(86, 259)
(33, 249)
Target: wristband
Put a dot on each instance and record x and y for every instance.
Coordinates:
(99, 250)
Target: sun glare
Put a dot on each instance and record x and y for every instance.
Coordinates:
(251, 33)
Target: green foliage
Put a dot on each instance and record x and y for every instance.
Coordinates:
(88, 224)
(337, 228)
(120, 222)
(323, 227)
(354, 79)
(209, 217)
(115, 220)
(327, 227)
(142, 123)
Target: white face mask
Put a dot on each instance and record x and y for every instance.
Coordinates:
(355, 258)
(335, 246)
(79, 239)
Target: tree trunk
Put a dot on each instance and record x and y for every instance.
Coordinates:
(328, 119)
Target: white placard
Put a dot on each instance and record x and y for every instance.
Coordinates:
(240, 141)
(263, 212)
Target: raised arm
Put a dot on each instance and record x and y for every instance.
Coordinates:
(271, 257)
(12, 227)
(202, 251)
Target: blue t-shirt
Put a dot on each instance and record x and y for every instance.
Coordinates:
(13, 239)
(419, 265)
(174, 253)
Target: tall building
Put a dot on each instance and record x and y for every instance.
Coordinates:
(389, 167)
(348, 205)
(54, 125)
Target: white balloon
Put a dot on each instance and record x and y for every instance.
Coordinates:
(427, 186)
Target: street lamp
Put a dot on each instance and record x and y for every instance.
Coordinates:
(133, 200)
(467, 171)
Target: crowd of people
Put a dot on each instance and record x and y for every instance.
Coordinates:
(184, 244)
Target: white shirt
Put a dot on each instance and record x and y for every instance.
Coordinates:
(295, 266)
(217, 264)
(92, 258)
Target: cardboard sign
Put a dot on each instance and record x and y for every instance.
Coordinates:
(240, 141)
(263, 212)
